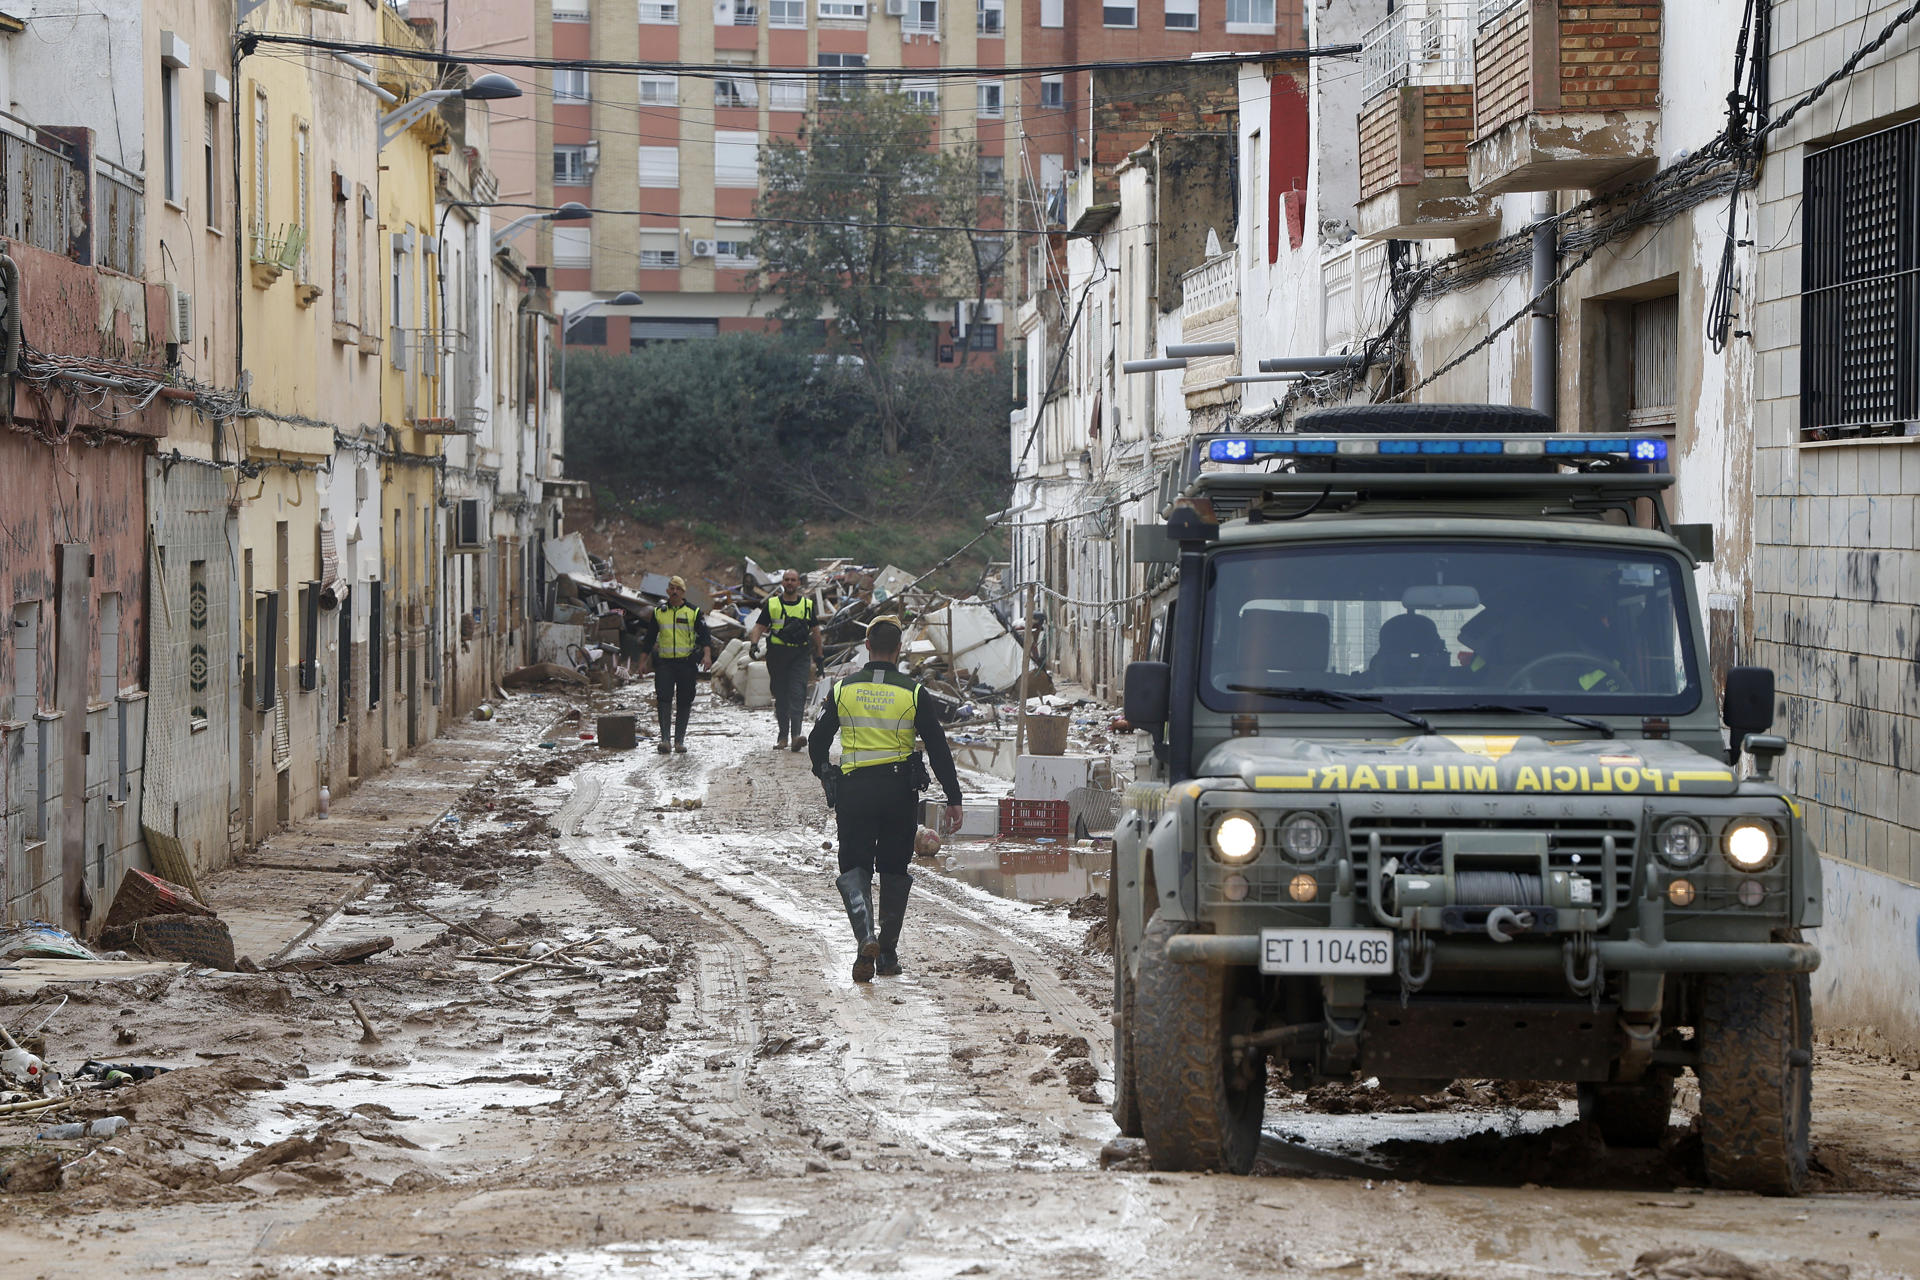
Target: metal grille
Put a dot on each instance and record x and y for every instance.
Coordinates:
(1422, 43)
(1574, 844)
(1860, 289)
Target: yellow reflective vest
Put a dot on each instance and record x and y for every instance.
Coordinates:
(876, 719)
(779, 611)
(676, 631)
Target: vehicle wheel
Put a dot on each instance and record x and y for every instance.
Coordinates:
(1756, 1080)
(1200, 1102)
(1631, 1115)
(1126, 1093)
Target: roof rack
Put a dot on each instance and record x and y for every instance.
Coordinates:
(1581, 472)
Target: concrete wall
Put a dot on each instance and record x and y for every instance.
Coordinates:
(80, 65)
(1836, 600)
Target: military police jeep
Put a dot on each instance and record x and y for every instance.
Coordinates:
(1437, 790)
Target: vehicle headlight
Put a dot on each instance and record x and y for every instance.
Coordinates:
(1680, 842)
(1303, 837)
(1749, 845)
(1236, 838)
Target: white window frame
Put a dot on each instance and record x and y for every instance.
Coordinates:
(990, 99)
(998, 28)
(262, 175)
(1058, 85)
(572, 11)
(922, 91)
(656, 165)
(660, 251)
(1249, 23)
(572, 245)
(1189, 9)
(737, 92)
(843, 10)
(575, 149)
(660, 14)
(1130, 24)
(572, 85)
(303, 194)
(659, 91)
(836, 86)
(787, 13)
(787, 93)
(733, 235)
(1000, 183)
(737, 141)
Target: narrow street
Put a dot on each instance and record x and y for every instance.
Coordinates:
(719, 1100)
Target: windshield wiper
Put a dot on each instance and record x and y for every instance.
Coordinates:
(1335, 698)
(1601, 727)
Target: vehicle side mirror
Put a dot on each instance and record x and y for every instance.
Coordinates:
(1747, 706)
(1147, 695)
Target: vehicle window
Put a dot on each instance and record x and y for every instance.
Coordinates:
(1449, 624)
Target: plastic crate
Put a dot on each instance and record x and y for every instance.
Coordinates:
(1029, 819)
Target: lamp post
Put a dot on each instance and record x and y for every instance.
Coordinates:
(487, 88)
(571, 211)
(625, 298)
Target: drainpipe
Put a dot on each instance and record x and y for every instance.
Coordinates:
(1546, 311)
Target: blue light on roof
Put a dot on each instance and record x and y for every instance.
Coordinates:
(1482, 446)
(1251, 449)
(1649, 450)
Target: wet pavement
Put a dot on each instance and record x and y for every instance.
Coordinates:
(716, 1098)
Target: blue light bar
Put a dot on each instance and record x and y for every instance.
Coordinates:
(1559, 447)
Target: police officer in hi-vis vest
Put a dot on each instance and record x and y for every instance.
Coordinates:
(788, 624)
(877, 714)
(679, 640)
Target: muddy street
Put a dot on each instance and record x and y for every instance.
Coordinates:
(615, 1035)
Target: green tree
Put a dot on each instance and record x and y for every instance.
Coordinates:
(873, 213)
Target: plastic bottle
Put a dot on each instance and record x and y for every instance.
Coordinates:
(104, 1127)
(326, 801)
(21, 1065)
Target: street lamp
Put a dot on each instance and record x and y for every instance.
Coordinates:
(571, 211)
(487, 88)
(625, 298)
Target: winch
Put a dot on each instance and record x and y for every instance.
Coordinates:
(1499, 883)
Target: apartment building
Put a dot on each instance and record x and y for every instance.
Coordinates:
(683, 152)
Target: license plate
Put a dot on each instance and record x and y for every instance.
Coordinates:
(1326, 951)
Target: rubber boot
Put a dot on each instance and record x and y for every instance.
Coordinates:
(893, 914)
(856, 890)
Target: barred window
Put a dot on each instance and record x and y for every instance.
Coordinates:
(1860, 289)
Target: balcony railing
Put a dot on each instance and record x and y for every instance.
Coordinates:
(119, 205)
(1208, 287)
(746, 15)
(1425, 43)
(43, 191)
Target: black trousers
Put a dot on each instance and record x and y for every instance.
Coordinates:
(876, 812)
(673, 680)
(787, 669)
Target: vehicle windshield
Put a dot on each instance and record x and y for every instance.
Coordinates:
(1434, 626)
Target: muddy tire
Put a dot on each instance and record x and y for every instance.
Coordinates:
(1126, 1094)
(1756, 1080)
(1200, 1103)
(1631, 1115)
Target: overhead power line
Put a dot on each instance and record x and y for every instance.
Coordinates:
(250, 40)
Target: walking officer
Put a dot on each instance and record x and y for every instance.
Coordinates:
(876, 714)
(793, 638)
(679, 640)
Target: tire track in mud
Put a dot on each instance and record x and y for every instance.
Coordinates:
(749, 860)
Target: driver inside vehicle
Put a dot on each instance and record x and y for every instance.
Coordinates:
(1514, 643)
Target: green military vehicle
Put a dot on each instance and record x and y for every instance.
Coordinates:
(1438, 790)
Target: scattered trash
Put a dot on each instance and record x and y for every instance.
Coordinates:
(483, 712)
(142, 895)
(104, 1127)
(38, 938)
(107, 1075)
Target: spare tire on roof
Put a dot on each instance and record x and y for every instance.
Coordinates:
(1425, 419)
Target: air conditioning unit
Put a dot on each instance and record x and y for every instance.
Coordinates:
(896, 8)
(179, 315)
(703, 248)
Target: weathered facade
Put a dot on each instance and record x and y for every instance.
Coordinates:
(1835, 604)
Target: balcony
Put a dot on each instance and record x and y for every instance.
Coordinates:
(1210, 312)
(1415, 123)
(1566, 96)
